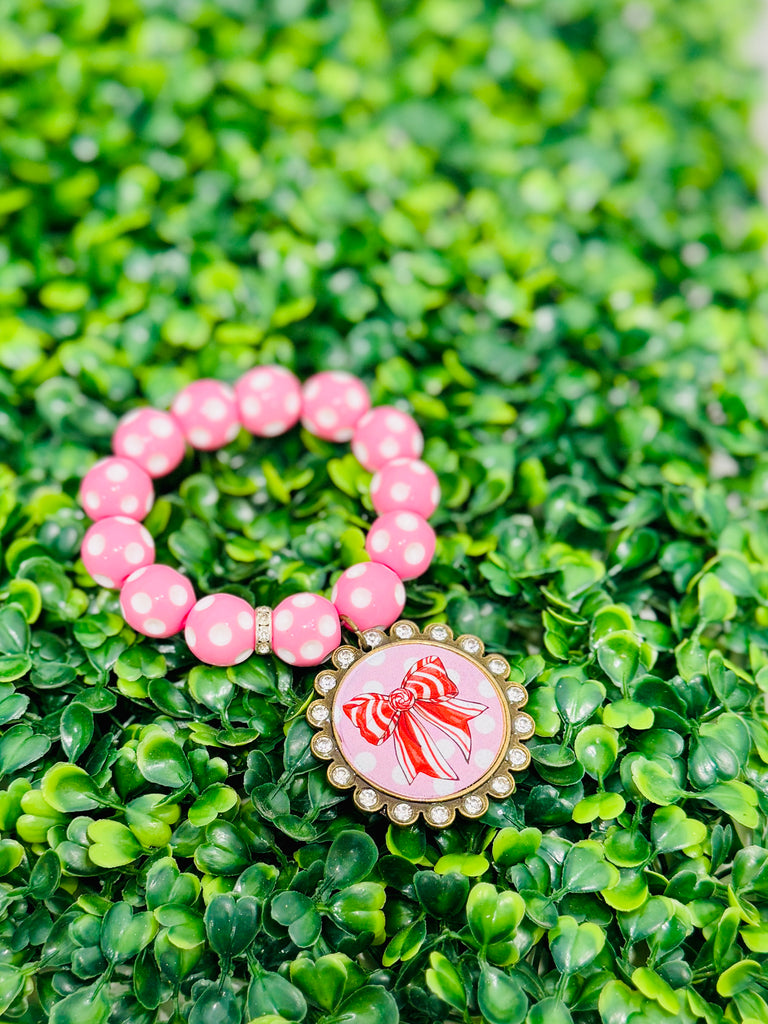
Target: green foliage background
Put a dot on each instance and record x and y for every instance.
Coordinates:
(535, 226)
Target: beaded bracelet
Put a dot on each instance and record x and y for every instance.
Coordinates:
(439, 757)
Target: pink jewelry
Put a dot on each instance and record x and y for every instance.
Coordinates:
(416, 722)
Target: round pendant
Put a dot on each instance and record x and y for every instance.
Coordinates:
(419, 723)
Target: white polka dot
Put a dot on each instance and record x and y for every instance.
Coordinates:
(326, 417)
(355, 398)
(292, 404)
(399, 593)
(414, 554)
(366, 418)
(243, 655)
(417, 443)
(251, 406)
(365, 761)
(484, 758)
(398, 775)
(389, 448)
(283, 620)
(312, 649)
(133, 445)
(484, 724)
(158, 463)
(354, 571)
(137, 574)
(199, 437)
(312, 390)
(434, 495)
(190, 636)
(131, 416)
(275, 428)
(232, 431)
(220, 634)
(395, 422)
(360, 452)
(141, 603)
(360, 597)
(92, 499)
(103, 581)
(245, 620)
(334, 593)
(146, 536)
(400, 492)
(454, 676)
(408, 663)
(96, 544)
(134, 553)
(129, 504)
(286, 655)
(178, 595)
(303, 600)
(375, 659)
(342, 434)
(124, 520)
(341, 376)
(161, 426)
(148, 503)
(214, 409)
(407, 521)
(485, 688)
(260, 380)
(444, 786)
(379, 540)
(326, 625)
(154, 627)
(418, 468)
(446, 746)
(182, 404)
(375, 483)
(205, 602)
(116, 473)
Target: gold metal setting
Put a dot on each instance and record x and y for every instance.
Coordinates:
(263, 629)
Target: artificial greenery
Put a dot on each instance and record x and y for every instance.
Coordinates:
(532, 224)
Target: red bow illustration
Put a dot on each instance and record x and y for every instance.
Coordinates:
(426, 694)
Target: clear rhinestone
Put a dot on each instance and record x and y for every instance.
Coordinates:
(473, 804)
(501, 785)
(318, 713)
(372, 637)
(345, 657)
(523, 725)
(263, 649)
(439, 633)
(498, 667)
(403, 631)
(367, 798)
(470, 644)
(323, 745)
(517, 757)
(326, 682)
(515, 694)
(402, 812)
(341, 775)
(439, 814)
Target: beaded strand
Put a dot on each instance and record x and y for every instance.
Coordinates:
(156, 600)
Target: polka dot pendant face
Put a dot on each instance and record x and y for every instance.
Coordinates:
(420, 723)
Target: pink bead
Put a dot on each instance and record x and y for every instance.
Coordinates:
(116, 487)
(368, 595)
(150, 438)
(268, 400)
(384, 434)
(406, 485)
(115, 547)
(221, 629)
(333, 402)
(206, 411)
(156, 600)
(305, 629)
(403, 541)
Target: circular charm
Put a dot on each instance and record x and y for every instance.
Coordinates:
(420, 723)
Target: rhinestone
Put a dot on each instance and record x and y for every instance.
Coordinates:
(341, 775)
(470, 644)
(326, 682)
(523, 725)
(517, 757)
(318, 713)
(372, 637)
(473, 804)
(498, 667)
(403, 631)
(345, 657)
(263, 649)
(515, 694)
(367, 798)
(501, 784)
(440, 815)
(402, 812)
(439, 633)
(323, 745)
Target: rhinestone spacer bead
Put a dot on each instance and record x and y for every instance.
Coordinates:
(501, 785)
(470, 644)
(402, 812)
(523, 725)
(515, 694)
(517, 757)
(439, 815)
(403, 631)
(497, 666)
(473, 804)
(345, 657)
(367, 798)
(439, 633)
(341, 776)
(318, 713)
(323, 745)
(373, 637)
(326, 682)
(263, 629)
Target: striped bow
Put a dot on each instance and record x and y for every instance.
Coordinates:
(426, 695)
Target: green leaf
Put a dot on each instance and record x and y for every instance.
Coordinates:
(597, 748)
(112, 844)
(76, 730)
(574, 946)
(618, 654)
(125, 933)
(655, 782)
(585, 870)
(19, 747)
(70, 789)
(493, 916)
(672, 830)
(350, 859)
(500, 997)
(231, 923)
(162, 762)
(441, 895)
(445, 982)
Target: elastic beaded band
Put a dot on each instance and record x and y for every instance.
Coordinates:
(222, 629)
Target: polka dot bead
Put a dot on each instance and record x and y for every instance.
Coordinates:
(403, 541)
(368, 595)
(384, 434)
(305, 629)
(114, 487)
(115, 547)
(407, 485)
(206, 411)
(333, 402)
(268, 400)
(150, 438)
(156, 600)
(220, 629)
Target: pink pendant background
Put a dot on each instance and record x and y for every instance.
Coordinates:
(383, 671)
